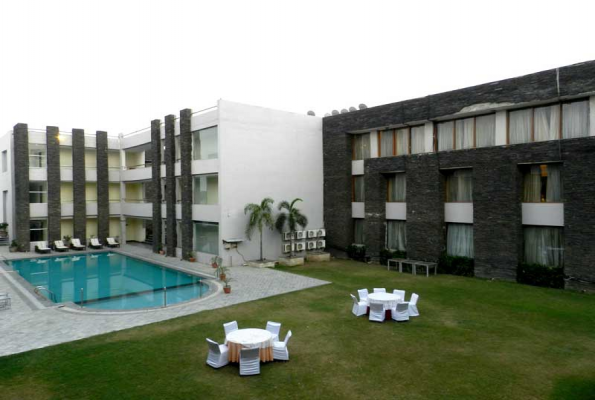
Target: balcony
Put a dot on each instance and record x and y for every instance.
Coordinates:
(115, 208)
(134, 208)
(91, 207)
(67, 208)
(138, 173)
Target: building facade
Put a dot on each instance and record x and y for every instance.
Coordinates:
(503, 173)
(180, 185)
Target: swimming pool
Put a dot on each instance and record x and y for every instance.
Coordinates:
(109, 281)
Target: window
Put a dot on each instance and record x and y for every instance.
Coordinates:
(38, 230)
(519, 126)
(396, 235)
(4, 161)
(396, 142)
(402, 141)
(38, 192)
(418, 139)
(446, 132)
(206, 189)
(358, 231)
(361, 146)
(205, 142)
(467, 133)
(542, 184)
(387, 143)
(358, 194)
(459, 186)
(397, 188)
(575, 117)
(37, 155)
(206, 237)
(464, 133)
(485, 130)
(543, 245)
(459, 240)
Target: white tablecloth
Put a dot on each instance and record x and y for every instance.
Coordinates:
(251, 337)
(389, 300)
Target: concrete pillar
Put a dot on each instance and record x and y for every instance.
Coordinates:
(79, 219)
(54, 184)
(21, 184)
(102, 187)
(186, 181)
(170, 184)
(156, 183)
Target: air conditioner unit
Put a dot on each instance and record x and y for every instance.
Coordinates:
(311, 234)
(300, 246)
(286, 235)
(287, 248)
(300, 234)
(321, 244)
(311, 245)
(321, 232)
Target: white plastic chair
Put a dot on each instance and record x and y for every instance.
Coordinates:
(218, 354)
(359, 307)
(400, 293)
(274, 328)
(250, 361)
(230, 327)
(363, 295)
(377, 312)
(401, 313)
(379, 290)
(413, 311)
(280, 351)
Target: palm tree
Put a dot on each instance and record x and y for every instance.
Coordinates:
(261, 215)
(292, 218)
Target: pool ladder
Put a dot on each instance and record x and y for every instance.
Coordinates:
(40, 288)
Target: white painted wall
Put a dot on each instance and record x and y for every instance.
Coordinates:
(6, 182)
(358, 210)
(266, 153)
(543, 214)
(458, 212)
(396, 211)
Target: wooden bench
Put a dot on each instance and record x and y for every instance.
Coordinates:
(414, 264)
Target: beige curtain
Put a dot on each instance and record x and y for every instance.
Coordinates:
(520, 126)
(359, 190)
(575, 120)
(464, 134)
(544, 245)
(553, 189)
(358, 231)
(547, 123)
(402, 141)
(532, 185)
(445, 140)
(398, 188)
(386, 143)
(361, 144)
(396, 235)
(459, 240)
(485, 130)
(459, 186)
(418, 139)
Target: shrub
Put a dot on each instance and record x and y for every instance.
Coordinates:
(540, 275)
(356, 252)
(386, 254)
(456, 265)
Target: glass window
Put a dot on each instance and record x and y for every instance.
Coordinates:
(358, 189)
(37, 155)
(4, 161)
(396, 235)
(543, 184)
(575, 119)
(358, 231)
(543, 245)
(206, 189)
(386, 143)
(205, 144)
(459, 240)
(402, 138)
(178, 190)
(361, 146)
(464, 133)
(459, 185)
(547, 123)
(397, 188)
(445, 135)
(206, 237)
(38, 230)
(418, 139)
(519, 126)
(38, 192)
(485, 130)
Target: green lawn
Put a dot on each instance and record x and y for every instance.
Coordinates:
(474, 339)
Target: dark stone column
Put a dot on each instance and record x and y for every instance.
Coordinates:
(21, 184)
(170, 184)
(78, 185)
(54, 184)
(156, 182)
(102, 187)
(186, 181)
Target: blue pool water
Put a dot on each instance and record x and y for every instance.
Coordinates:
(109, 281)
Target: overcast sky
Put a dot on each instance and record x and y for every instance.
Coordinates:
(116, 65)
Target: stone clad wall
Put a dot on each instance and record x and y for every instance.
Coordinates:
(102, 187)
(170, 191)
(186, 181)
(21, 184)
(156, 183)
(54, 184)
(78, 185)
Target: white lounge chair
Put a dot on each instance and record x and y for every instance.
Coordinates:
(280, 351)
(95, 244)
(250, 361)
(400, 293)
(413, 311)
(359, 307)
(401, 313)
(76, 244)
(59, 246)
(42, 247)
(363, 295)
(377, 312)
(379, 290)
(230, 327)
(111, 242)
(218, 354)
(274, 328)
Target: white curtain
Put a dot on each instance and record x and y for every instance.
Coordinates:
(464, 133)
(358, 231)
(520, 126)
(547, 123)
(460, 186)
(575, 120)
(544, 245)
(397, 188)
(532, 185)
(459, 240)
(553, 189)
(418, 139)
(361, 145)
(386, 143)
(359, 190)
(402, 141)
(445, 139)
(485, 130)
(396, 235)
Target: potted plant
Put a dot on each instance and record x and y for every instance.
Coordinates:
(227, 286)
(160, 249)
(222, 272)
(14, 246)
(66, 239)
(216, 261)
(191, 257)
(261, 215)
(3, 231)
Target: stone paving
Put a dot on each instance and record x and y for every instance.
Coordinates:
(30, 324)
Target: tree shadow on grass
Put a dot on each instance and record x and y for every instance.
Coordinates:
(574, 388)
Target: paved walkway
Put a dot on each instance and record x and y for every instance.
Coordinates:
(31, 325)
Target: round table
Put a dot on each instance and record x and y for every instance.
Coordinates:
(247, 338)
(388, 300)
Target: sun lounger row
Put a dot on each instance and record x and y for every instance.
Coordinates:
(42, 247)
